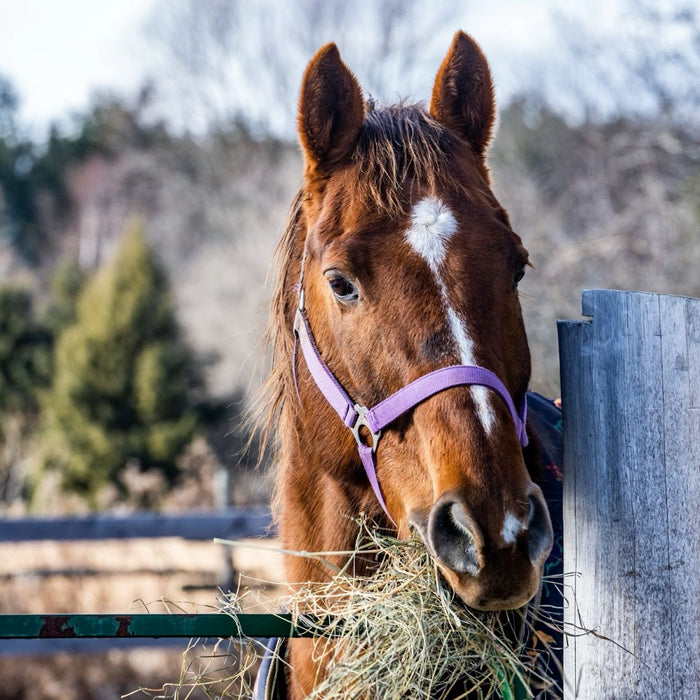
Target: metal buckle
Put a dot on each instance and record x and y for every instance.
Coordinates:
(360, 421)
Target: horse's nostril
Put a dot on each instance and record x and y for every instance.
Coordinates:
(540, 531)
(453, 537)
(459, 518)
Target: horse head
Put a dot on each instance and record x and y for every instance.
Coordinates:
(404, 263)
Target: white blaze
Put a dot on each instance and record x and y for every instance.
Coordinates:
(432, 227)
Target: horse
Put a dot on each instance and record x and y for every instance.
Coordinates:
(400, 362)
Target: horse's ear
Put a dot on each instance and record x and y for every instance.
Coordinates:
(463, 93)
(331, 111)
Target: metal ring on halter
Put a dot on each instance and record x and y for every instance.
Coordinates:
(361, 421)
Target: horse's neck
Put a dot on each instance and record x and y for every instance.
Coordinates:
(319, 512)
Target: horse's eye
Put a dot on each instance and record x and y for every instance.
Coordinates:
(519, 274)
(343, 289)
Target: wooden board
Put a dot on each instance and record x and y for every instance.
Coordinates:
(231, 523)
(631, 407)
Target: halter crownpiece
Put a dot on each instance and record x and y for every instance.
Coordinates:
(375, 419)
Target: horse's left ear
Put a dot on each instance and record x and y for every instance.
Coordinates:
(463, 93)
(331, 111)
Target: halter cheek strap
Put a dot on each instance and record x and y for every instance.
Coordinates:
(375, 419)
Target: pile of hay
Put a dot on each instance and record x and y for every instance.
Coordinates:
(405, 634)
(400, 632)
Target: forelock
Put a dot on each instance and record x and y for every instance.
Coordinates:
(401, 147)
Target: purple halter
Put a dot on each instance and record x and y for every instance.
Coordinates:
(375, 419)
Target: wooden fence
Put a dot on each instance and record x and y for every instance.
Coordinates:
(631, 403)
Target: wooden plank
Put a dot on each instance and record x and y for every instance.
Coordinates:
(692, 325)
(572, 340)
(232, 523)
(631, 496)
(589, 436)
(680, 320)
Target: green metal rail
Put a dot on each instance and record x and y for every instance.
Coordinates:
(152, 626)
(149, 626)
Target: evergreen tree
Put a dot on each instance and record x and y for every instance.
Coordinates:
(122, 377)
(25, 352)
(25, 367)
(67, 281)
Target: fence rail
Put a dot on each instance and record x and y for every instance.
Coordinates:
(231, 523)
(152, 626)
(44, 635)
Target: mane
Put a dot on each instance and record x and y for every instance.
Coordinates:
(265, 419)
(399, 147)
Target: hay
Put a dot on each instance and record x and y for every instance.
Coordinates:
(397, 633)
(214, 669)
(405, 634)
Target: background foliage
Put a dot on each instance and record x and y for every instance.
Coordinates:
(122, 377)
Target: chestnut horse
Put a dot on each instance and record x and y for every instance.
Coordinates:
(398, 290)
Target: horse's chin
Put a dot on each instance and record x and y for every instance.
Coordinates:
(471, 592)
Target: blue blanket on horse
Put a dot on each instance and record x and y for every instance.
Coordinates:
(545, 642)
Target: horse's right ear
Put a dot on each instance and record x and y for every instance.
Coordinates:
(331, 111)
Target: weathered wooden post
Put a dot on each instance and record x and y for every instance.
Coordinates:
(631, 403)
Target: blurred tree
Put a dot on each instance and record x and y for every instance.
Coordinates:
(8, 109)
(34, 190)
(644, 64)
(114, 123)
(67, 282)
(23, 174)
(25, 367)
(25, 352)
(19, 220)
(123, 378)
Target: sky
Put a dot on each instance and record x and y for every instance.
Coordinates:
(58, 53)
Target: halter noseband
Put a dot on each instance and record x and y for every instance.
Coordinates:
(375, 419)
